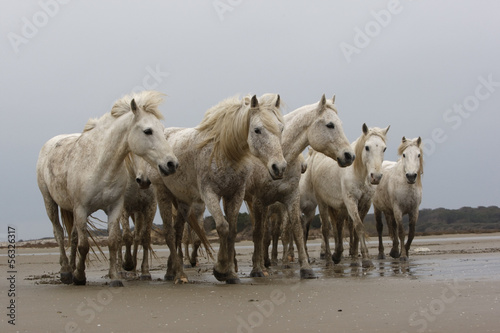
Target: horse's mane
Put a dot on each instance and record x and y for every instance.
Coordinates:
(360, 145)
(148, 100)
(91, 124)
(226, 125)
(407, 143)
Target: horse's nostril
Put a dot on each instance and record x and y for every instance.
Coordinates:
(138, 180)
(172, 165)
(348, 156)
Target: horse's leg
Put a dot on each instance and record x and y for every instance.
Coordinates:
(325, 229)
(225, 258)
(286, 239)
(53, 214)
(147, 225)
(359, 228)
(183, 212)
(268, 227)
(258, 214)
(232, 208)
(80, 216)
(128, 239)
(306, 271)
(393, 232)
(186, 239)
(198, 211)
(380, 229)
(275, 235)
(74, 245)
(398, 218)
(174, 266)
(338, 223)
(114, 241)
(411, 230)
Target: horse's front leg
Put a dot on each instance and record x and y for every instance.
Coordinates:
(174, 265)
(224, 267)
(147, 225)
(114, 244)
(127, 238)
(306, 271)
(413, 217)
(232, 208)
(325, 229)
(359, 228)
(380, 229)
(258, 214)
(80, 219)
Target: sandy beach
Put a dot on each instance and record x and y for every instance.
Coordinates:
(450, 284)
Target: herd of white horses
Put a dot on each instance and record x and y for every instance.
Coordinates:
(127, 164)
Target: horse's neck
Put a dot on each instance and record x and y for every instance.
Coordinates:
(358, 168)
(110, 144)
(295, 133)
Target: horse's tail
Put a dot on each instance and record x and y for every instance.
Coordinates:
(67, 221)
(193, 223)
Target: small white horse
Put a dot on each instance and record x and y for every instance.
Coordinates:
(344, 193)
(81, 174)
(317, 125)
(215, 158)
(140, 204)
(400, 193)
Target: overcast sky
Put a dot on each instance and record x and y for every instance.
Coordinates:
(427, 68)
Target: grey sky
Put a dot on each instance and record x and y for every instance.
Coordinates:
(427, 68)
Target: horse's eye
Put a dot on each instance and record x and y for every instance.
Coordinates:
(367, 148)
(257, 130)
(404, 155)
(418, 155)
(385, 149)
(148, 131)
(330, 125)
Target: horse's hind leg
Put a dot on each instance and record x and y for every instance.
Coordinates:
(52, 212)
(145, 237)
(325, 229)
(80, 216)
(380, 229)
(128, 264)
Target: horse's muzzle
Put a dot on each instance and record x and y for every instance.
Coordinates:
(169, 169)
(346, 160)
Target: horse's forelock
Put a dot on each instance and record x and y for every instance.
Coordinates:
(148, 100)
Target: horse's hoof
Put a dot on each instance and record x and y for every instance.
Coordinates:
(168, 277)
(181, 280)
(220, 276)
(194, 264)
(257, 274)
(366, 263)
(394, 253)
(128, 266)
(354, 263)
(145, 277)
(322, 256)
(267, 263)
(403, 259)
(381, 256)
(67, 278)
(116, 283)
(233, 281)
(78, 282)
(336, 258)
(307, 273)
(274, 262)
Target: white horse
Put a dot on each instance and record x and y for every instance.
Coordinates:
(400, 193)
(216, 164)
(347, 193)
(317, 125)
(140, 204)
(81, 174)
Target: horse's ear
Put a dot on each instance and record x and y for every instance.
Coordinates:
(321, 104)
(254, 103)
(403, 139)
(365, 128)
(133, 106)
(278, 101)
(387, 129)
(419, 141)
(333, 99)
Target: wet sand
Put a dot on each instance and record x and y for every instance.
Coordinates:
(450, 284)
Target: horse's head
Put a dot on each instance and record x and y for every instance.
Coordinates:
(137, 169)
(412, 158)
(264, 133)
(146, 138)
(327, 135)
(370, 150)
